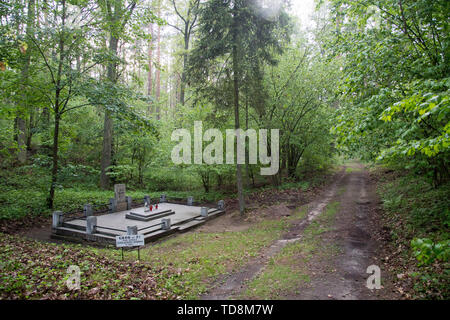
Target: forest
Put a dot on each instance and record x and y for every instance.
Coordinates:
(92, 91)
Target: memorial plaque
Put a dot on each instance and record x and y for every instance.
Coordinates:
(130, 241)
(119, 192)
(120, 197)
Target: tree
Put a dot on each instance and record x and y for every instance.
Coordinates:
(158, 66)
(189, 20)
(396, 91)
(24, 109)
(64, 81)
(117, 14)
(150, 67)
(301, 94)
(226, 30)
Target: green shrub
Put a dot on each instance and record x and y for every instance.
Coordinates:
(426, 251)
(170, 178)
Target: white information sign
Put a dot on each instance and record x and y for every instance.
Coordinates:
(130, 241)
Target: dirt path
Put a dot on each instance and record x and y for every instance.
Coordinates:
(354, 233)
(338, 276)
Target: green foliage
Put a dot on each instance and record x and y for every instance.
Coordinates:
(171, 178)
(429, 111)
(423, 208)
(299, 103)
(426, 252)
(120, 173)
(418, 217)
(395, 93)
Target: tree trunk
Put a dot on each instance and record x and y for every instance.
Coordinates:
(54, 178)
(106, 151)
(158, 64)
(21, 139)
(108, 122)
(150, 69)
(185, 62)
(247, 169)
(30, 131)
(51, 196)
(236, 109)
(23, 133)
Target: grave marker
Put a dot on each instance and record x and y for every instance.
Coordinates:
(120, 197)
(119, 192)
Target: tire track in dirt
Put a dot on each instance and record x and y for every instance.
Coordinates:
(236, 282)
(352, 232)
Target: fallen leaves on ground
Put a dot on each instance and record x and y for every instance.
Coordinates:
(35, 270)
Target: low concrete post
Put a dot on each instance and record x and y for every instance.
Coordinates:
(87, 210)
(165, 224)
(91, 223)
(58, 217)
(129, 202)
(221, 205)
(204, 212)
(132, 230)
(162, 198)
(190, 201)
(112, 205)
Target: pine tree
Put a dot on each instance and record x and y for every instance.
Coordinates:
(240, 33)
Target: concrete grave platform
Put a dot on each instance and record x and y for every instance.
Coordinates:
(148, 215)
(167, 219)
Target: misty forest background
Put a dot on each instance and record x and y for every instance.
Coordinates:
(91, 91)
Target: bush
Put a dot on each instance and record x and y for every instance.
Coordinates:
(420, 214)
(426, 251)
(15, 204)
(172, 178)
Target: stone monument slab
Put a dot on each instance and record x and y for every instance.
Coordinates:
(119, 192)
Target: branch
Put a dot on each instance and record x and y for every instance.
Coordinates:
(45, 59)
(76, 107)
(173, 26)
(176, 10)
(130, 9)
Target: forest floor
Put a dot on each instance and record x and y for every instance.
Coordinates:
(311, 243)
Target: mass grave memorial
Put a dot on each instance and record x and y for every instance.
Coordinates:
(152, 219)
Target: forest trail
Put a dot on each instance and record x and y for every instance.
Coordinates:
(351, 231)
